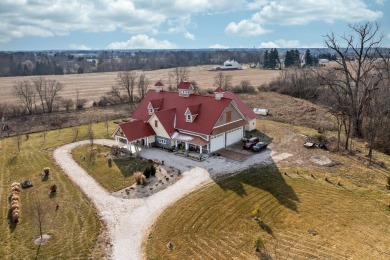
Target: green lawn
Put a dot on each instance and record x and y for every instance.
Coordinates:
(74, 227)
(119, 176)
(216, 221)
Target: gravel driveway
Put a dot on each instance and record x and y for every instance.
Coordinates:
(129, 219)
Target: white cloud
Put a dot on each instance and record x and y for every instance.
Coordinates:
(142, 41)
(61, 17)
(189, 36)
(380, 2)
(281, 43)
(218, 46)
(286, 12)
(79, 47)
(245, 28)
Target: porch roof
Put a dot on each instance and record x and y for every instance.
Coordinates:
(135, 130)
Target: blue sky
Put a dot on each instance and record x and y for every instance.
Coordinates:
(182, 24)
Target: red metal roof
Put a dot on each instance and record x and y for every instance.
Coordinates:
(184, 85)
(219, 90)
(209, 112)
(135, 130)
(244, 108)
(156, 103)
(194, 109)
(158, 84)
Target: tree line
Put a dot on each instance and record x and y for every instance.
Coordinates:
(356, 89)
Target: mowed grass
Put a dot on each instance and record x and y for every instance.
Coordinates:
(114, 178)
(216, 221)
(74, 227)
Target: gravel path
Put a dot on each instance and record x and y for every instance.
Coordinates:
(129, 219)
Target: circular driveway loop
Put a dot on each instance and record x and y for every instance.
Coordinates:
(128, 220)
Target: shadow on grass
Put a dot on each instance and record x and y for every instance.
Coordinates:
(264, 226)
(128, 166)
(11, 224)
(267, 178)
(12, 160)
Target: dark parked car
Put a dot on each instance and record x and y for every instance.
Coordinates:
(251, 142)
(259, 146)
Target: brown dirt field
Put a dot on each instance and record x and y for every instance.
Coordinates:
(93, 85)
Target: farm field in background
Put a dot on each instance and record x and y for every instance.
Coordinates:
(93, 85)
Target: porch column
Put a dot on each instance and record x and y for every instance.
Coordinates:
(200, 149)
(186, 147)
(176, 144)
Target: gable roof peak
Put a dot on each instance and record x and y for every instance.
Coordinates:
(185, 85)
(219, 90)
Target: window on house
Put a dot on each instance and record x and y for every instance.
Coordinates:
(162, 141)
(155, 123)
(151, 111)
(189, 118)
(228, 116)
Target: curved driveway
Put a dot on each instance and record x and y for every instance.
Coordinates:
(127, 219)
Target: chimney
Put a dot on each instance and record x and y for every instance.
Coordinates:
(218, 93)
(158, 86)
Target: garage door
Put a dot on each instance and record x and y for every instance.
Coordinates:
(233, 136)
(217, 142)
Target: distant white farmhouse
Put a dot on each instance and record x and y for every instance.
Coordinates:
(229, 65)
(323, 61)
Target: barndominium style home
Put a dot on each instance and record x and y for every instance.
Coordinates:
(184, 120)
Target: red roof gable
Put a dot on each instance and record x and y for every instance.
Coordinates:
(167, 119)
(157, 103)
(209, 112)
(244, 108)
(219, 90)
(184, 85)
(158, 84)
(135, 130)
(194, 109)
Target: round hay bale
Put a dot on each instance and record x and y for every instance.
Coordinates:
(15, 184)
(15, 206)
(15, 189)
(14, 196)
(15, 216)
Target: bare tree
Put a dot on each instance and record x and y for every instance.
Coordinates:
(52, 87)
(18, 142)
(143, 83)
(223, 81)
(127, 81)
(178, 75)
(25, 92)
(38, 214)
(354, 76)
(115, 93)
(67, 103)
(39, 84)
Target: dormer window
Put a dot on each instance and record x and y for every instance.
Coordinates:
(189, 118)
(151, 111)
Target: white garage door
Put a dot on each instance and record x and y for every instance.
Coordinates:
(217, 142)
(233, 136)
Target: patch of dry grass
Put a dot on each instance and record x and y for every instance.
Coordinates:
(114, 178)
(74, 227)
(216, 222)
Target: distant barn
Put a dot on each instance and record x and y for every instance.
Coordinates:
(229, 65)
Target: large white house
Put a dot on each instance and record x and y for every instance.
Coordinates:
(169, 119)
